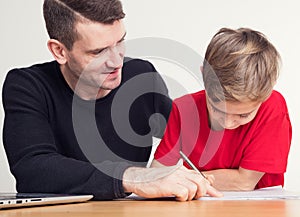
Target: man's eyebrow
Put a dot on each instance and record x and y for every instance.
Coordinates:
(100, 49)
(122, 39)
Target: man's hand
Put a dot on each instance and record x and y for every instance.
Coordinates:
(175, 181)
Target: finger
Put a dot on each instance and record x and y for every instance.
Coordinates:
(202, 189)
(213, 192)
(191, 187)
(184, 189)
(198, 181)
(210, 179)
(180, 192)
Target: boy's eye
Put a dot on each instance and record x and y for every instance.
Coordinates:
(241, 116)
(214, 110)
(244, 116)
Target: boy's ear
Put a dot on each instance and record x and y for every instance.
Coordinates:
(58, 51)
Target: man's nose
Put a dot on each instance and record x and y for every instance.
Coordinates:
(115, 58)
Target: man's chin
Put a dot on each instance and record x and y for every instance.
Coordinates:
(110, 85)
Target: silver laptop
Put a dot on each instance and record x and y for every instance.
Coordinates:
(11, 200)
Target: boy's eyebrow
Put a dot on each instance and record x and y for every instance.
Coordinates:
(226, 112)
(99, 49)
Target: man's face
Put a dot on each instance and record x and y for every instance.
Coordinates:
(97, 56)
(230, 115)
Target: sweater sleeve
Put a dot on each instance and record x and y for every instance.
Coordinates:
(33, 155)
(162, 105)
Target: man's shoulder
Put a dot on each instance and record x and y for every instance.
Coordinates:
(33, 70)
(33, 77)
(137, 66)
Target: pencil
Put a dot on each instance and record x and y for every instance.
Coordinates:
(185, 158)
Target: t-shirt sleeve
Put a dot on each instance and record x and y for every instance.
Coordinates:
(167, 152)
(269, 147)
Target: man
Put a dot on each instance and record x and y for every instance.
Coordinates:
(65, 128)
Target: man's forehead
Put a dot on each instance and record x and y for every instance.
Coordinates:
(94, 34)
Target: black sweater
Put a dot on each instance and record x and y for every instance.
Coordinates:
(58, 143)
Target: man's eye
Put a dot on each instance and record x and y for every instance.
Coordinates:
(98, 52)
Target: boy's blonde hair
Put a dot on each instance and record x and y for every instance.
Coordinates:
(240, 65)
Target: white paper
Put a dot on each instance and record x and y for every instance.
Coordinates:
(270, 193)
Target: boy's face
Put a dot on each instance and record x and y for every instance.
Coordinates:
(230, 115)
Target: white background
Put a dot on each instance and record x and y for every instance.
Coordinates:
(191, 22)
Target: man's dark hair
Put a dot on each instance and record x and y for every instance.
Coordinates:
(61, 16)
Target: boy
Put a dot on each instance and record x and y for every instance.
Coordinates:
(237, 130)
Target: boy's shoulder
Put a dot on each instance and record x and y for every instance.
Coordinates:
(191, 102)
(200, 95)
(276, 100)
(273, 108)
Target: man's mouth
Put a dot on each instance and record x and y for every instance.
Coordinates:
(112, 72)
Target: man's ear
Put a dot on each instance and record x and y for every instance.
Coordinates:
(58, 51)
(201, 69)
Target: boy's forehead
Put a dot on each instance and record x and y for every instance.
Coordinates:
(230, 107)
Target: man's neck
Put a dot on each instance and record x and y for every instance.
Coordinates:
(81, 89)
(90, 93)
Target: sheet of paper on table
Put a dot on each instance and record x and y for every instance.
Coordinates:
(270, 193)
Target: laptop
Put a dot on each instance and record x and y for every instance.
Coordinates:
(12, 200)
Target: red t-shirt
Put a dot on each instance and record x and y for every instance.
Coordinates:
(261, 145)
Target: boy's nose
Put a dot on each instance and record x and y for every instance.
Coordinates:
(230, 122)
